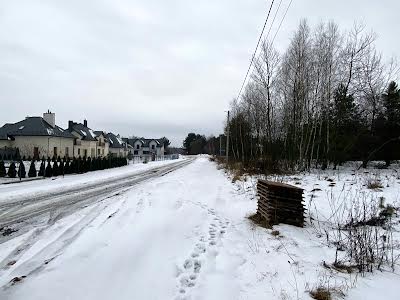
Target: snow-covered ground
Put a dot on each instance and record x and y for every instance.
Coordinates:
(185, 235)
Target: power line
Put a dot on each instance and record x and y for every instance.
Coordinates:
(272, 24)
(280, 24)
(255, 51)
(273, 20)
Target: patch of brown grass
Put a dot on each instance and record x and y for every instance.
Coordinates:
(275, 233)
(321, 293)
(374, 184)
(341, 267)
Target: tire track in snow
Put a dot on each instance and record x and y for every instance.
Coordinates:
(44, 255)
(18, 212)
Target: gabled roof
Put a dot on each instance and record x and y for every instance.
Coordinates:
(97, 133)
(32, 126)
(146, 142)
(86, 133)
(115, 141)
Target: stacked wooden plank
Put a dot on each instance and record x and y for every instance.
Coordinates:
(280, 203)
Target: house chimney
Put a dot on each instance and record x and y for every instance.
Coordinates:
(85, 123)
(50, 118)
(70, 124)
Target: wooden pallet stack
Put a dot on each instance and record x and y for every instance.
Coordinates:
(280, 203)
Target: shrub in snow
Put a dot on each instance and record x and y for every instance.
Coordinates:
(2, 169)
(42, 168)
(32, 169)
(92, 166)
(21, 170)
(79, 165)
(83, 165)
(105, 163)
(362, 233)
(55, 169)
(12, 172)
(49, 171)
(61, 167)
(73, 166)
(88, 165)
(66, 167)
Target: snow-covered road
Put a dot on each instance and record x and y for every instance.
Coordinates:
(157, 240)
(25, 205)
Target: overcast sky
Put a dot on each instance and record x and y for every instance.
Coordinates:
(153, 67)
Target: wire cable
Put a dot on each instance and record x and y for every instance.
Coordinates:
(280, 24)
(255, 51)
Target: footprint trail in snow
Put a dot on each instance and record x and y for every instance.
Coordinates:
(208, 243)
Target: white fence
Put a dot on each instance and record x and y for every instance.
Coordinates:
(148, 158)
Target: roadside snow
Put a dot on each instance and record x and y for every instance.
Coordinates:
(12, 192)
(183, 236)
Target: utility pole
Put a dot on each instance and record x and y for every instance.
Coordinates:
(227, 140)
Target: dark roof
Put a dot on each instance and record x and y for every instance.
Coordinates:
(85, 132)
(146, 142)
(115, 141)
(99, 132)
(32, 126)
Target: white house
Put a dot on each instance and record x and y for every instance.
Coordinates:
(118, 147)
(88, 143)
(37, 137)
(142, 146)
(102, 143)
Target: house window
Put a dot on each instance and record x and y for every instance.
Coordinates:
(85, 153)
(102, 151)
(153, 147)
(66, 151)
(55, 151)
(137, 146)
(79, 151)
(36, 152)
(98, 152)
(92, 152)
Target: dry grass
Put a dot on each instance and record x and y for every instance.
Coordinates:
(374, 184)
(321, 293)
(341, 267)
(275, 233)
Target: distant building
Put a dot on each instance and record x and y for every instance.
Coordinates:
(142, 146)
(37, 137)
(88, 143)
(102, 143)
(117, 146)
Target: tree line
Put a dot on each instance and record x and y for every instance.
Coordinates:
(196, 143)
(329, 98)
